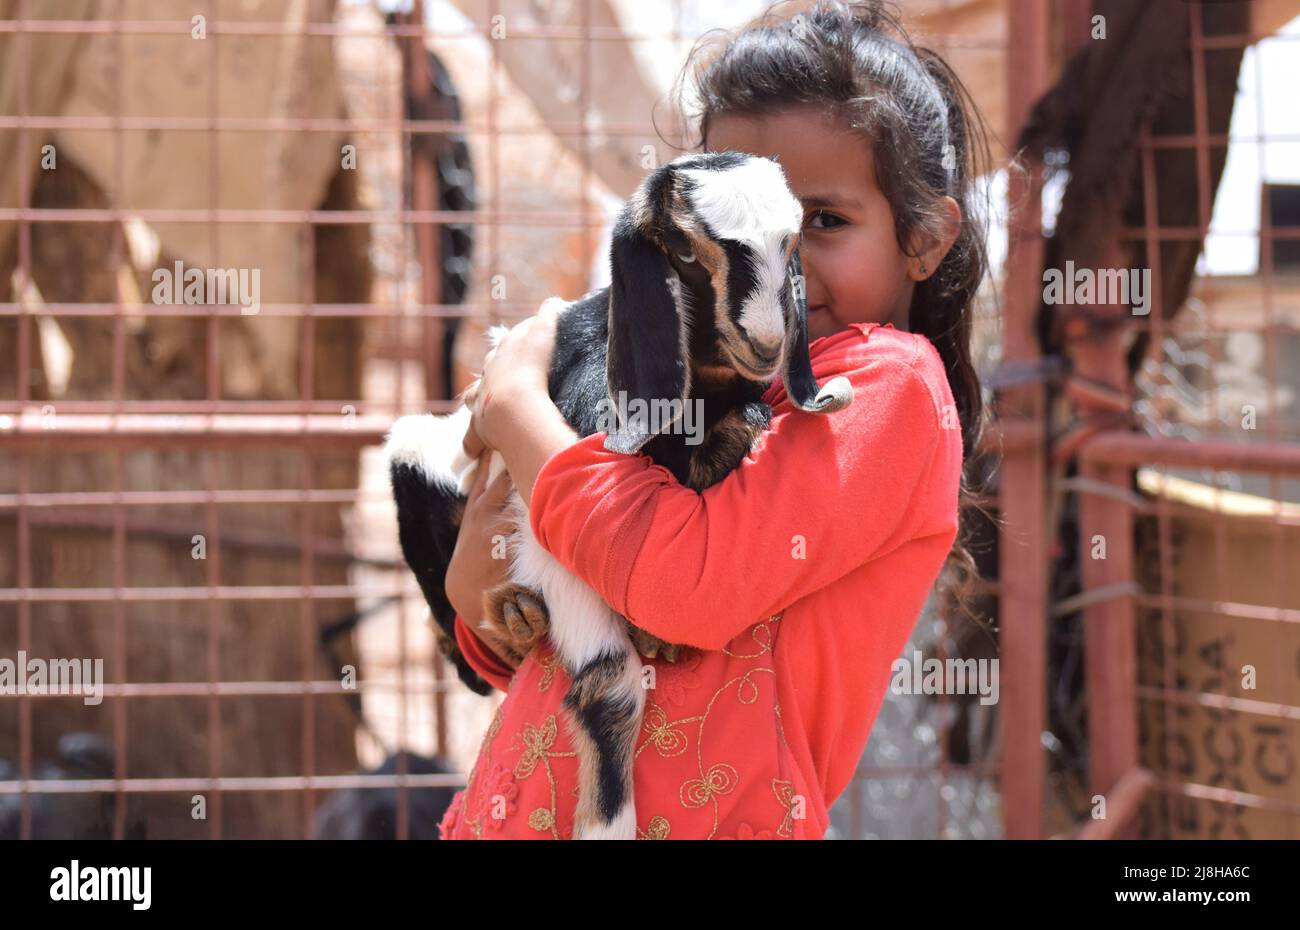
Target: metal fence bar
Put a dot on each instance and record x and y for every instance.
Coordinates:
(1022, 487)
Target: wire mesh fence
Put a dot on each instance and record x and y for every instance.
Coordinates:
(240, 239)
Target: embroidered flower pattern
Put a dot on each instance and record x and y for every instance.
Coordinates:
(497, 798)
(541, 820)
(657, 829)
(536, 740)
(673, 681)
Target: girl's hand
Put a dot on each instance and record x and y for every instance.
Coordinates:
(508, 618)
(515, 375)
(473, 570)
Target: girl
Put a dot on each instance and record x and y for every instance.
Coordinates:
(795, 582)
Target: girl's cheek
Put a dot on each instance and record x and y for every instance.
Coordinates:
(857, 272)
(854, 277)
(871, 300)
(850, 271)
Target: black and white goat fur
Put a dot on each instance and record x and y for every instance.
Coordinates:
(705, 306)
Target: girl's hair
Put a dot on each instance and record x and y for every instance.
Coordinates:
(855, 60)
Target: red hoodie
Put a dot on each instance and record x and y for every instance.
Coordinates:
(797, 580)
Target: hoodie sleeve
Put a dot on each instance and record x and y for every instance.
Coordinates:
(820, 496)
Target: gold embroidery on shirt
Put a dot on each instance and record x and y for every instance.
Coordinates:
(784, 791)
(541, 820)
(657, 829)
(780, 727)
(493, 729)
(721, 778)
(761, 634)
(667, 740)
(748, 683)
(537, 742)
(694, 785)
(548, 667)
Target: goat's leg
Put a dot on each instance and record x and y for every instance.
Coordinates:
(605, 703)
(515, 619)
(604, 706)
(606, 696)
(427, 472)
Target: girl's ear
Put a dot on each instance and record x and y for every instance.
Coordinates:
(928, 250)
(647, 344)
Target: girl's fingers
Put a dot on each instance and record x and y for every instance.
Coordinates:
(498, 491)
(489, 507)
(473, 445)
(480, 476)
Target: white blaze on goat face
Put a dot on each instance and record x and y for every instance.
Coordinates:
(760, 312)
(752, 204)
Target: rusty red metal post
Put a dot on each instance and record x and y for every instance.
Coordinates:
(1022, 486)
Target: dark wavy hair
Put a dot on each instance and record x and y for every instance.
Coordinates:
(856, 60)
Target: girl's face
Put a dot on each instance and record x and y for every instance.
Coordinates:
(854, 270)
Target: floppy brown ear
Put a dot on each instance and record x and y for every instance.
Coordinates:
(647, 349)
(800, 385)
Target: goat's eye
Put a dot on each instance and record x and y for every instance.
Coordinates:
(686, 257)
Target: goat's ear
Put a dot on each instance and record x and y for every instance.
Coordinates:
(800, 385)
(647, 345)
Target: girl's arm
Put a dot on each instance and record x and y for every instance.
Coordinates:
(820, 497)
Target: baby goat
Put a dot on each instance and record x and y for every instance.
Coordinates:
(705, 308)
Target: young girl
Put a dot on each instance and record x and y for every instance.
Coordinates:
(795, 582)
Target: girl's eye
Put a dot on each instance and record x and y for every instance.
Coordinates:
(828, 220)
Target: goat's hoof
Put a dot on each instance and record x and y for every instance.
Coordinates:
(515, 618)
(527, 617)
(652, 647)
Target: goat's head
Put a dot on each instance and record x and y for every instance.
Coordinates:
(705, 274)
